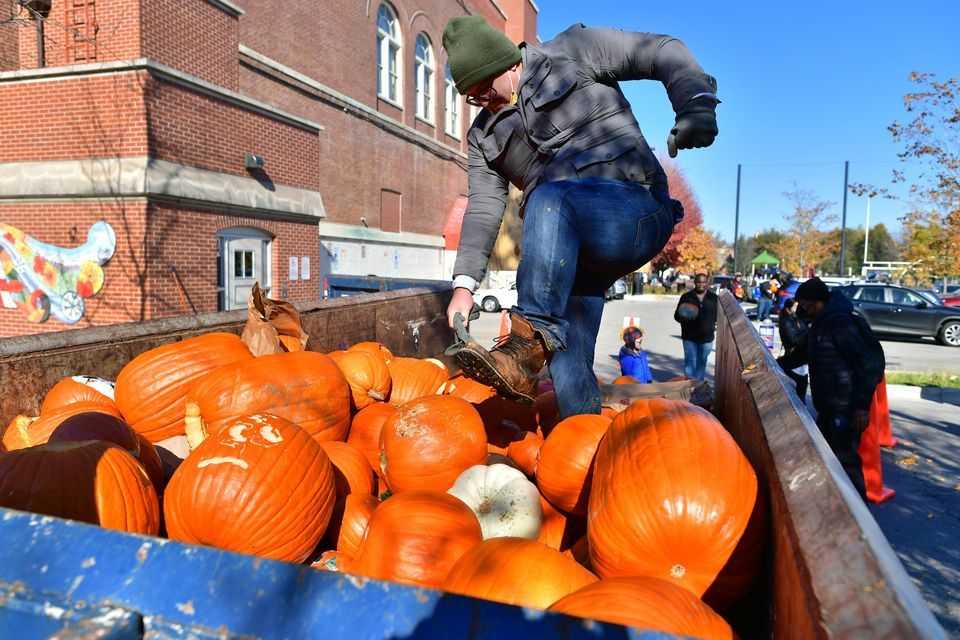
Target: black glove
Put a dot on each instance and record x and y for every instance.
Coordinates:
(696, 126)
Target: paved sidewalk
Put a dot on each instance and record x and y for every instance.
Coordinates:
(922, 522)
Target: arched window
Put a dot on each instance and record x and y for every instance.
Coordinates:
(388, 54)
(423, 78)
(451, 101)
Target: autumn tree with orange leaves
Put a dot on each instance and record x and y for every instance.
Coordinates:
(698, 252)
(681, 190)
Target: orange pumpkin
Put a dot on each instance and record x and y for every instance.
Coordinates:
(151, 388)
(625, 380)
(351, 471)
(304, 387)
(525, 452)
(261, 485)
(560, 531)
(357, 510)
(580, 552)
(430, 441)
(91, 481)
(413, 378)
(671, 495)
(565, 465)
(468, 389)
(374, 348)
(365, 431)
(94, 425)
(516, 571)
(367, 375)
(70, 390)
(743, 566)
(415, 538)
(646, 603)
(27, 432)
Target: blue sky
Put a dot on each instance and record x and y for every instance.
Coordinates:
(805, 86)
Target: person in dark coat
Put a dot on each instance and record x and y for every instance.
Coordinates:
(793, 335)
(846, 364)
(698, 333)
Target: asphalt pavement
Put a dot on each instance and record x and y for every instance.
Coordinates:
(922, 521)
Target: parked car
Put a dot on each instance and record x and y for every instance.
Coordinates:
(616, 291)
(493, 300)
(951, 300)
(889, 308)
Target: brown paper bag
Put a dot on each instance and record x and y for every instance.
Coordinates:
(273, 326)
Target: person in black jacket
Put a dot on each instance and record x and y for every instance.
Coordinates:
(793, 335)
(846, 364)
(697, 333)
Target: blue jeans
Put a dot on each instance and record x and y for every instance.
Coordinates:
(578, 237)
(764, 305)
(695, 358)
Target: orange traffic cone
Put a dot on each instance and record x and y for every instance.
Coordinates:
(871, 465)
(504, 324)
(880, 415)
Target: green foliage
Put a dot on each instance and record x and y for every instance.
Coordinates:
(930, 140)
(942, 379)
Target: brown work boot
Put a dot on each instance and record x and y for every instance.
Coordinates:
(512, 366)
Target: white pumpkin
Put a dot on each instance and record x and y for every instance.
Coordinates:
(505, 501)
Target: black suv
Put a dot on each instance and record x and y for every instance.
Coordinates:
(890, 308)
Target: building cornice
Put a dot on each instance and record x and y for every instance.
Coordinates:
(156, 180)
(162, 71)
(335, 230)
(227, 7)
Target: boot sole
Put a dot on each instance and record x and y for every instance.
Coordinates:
(477, 368)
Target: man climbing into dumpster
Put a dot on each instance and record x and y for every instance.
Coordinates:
(846, 364)
(595, 206)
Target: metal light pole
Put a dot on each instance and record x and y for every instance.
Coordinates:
(866, 235)
(736, 227)
(843, 222)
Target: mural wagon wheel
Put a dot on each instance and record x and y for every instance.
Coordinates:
(72, 306)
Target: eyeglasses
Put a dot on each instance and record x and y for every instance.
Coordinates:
(483, 97)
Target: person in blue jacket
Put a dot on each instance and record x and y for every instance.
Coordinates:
(633, 359)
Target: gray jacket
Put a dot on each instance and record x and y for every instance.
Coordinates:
(571, 121)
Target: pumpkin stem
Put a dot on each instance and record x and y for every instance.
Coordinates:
(196, 428)
(376, 395)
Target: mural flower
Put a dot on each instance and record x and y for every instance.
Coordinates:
(90, 279)
(50, 275)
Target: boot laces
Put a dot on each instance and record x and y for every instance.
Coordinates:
(512, 345)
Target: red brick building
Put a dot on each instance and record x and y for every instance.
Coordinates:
(156, 158)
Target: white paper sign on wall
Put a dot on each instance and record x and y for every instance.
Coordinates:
(305, 268)
(293, 268)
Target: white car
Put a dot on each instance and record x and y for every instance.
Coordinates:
(493, 300)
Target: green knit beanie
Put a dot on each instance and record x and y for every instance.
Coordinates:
(476, 51)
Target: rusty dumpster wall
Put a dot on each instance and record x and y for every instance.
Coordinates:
(410, 322)
(831, 571)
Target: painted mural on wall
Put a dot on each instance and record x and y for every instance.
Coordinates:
(43, 281)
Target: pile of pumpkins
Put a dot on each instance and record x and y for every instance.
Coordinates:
(387, 467)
